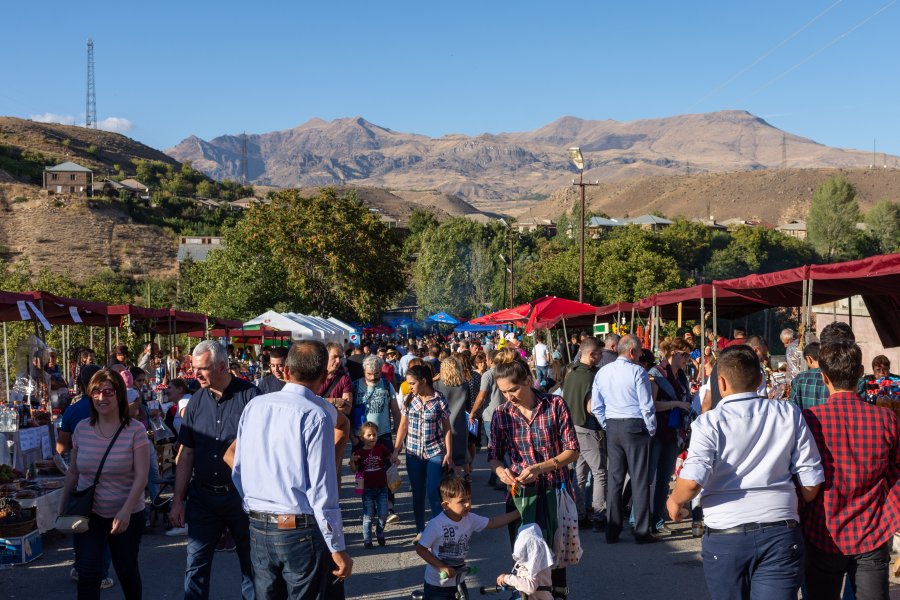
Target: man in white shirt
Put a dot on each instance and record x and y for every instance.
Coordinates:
(541, 357)
(745, 456)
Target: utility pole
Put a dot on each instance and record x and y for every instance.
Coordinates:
(578, 160)
(783, 151)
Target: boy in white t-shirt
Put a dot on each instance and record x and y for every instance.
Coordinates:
(444, 544)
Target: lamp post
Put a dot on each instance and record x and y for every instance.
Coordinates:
(578, 160)
(512, 278)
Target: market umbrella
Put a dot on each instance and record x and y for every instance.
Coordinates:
(442, 317)
(550, 310)
(517, 314)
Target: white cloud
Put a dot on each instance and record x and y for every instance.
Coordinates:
(53, 118)
(116, 124)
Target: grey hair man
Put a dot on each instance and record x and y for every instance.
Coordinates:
(622, 401)
(793, 354)
(203, 485)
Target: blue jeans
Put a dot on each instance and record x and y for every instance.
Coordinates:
(541, 373)
(763, 565)
(208, 515)
(288, 563)
(425, 479)
(375, 509)
(96, 543)
(663, 456)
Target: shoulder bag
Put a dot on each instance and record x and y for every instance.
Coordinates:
(81, 502)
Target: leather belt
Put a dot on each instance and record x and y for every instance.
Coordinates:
(298, 521)
(219, 490)
(751, 527)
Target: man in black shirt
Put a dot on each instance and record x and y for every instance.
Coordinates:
(274, 381)
(203, 476)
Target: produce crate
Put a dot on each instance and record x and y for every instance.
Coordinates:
(21, 550)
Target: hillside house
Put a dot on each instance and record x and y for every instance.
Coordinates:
(794, 228)
(243, 203)
(711, 223)
(207, 203)
(650, 222)
(599, 226)
(112, 188)
(389, 221)
(197, 247)
(545, 226)
(69, 178)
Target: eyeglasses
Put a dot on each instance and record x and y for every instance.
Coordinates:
(105, 392)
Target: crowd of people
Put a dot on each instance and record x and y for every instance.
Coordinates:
(785, 469)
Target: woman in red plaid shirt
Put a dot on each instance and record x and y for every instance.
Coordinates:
(533, 431)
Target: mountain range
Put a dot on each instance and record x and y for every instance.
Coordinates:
(510, 165)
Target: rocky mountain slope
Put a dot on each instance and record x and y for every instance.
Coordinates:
(509, 165)
(771, 195)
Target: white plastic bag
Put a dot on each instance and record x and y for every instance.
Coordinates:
(566, 543)
(393, 478)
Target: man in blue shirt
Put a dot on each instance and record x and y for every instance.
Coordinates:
(285, 470)
(274, 381)
(746, 456)
(622, 401)
(202, 474)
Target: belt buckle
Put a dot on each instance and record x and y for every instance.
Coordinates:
(286, 521)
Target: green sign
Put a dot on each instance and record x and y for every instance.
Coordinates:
(601, 328)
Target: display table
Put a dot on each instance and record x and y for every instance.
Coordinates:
(47, 506)
(28, 445)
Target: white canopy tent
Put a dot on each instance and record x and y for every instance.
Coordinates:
(283, 322)
(346, 327)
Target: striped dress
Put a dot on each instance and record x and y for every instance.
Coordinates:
(118, 471)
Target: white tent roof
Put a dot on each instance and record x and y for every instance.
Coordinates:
(345, 326)
(335, 333)
(284, 322)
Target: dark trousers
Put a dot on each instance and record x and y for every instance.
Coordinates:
(208, 515)
(288, 563)
(867, 573)
(663, 456)
(93, 545)
(628, 451)
(759, 565)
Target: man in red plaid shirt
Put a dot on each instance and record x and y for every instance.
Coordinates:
(849, 526)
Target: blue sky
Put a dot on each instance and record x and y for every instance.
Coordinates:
(824, 69)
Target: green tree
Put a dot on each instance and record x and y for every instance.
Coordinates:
(327, 255)
(757, 250)
(883, 226)
(832, 219)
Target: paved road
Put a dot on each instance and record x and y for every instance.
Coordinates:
(624, 570)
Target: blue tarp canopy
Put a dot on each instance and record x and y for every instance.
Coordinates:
(442, 317)
(468, 327)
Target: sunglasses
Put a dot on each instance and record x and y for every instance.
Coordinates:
(105, 392)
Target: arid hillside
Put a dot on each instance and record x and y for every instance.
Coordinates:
(79, 236)
(770, 195)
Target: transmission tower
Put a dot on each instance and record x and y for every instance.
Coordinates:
(90, 119)
(245, 179)
(783, 151)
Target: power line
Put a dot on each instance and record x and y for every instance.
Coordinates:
(825, 47)
(765, 56)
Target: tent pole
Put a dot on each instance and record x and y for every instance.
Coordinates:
(802, 317)
(850, 312)
(715, 324)
(631, 326)
(702, 339)
(566, 341)
(5, 362)
(809, 305)
(92, 338)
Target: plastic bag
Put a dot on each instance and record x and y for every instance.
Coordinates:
(393, 477)
(566, 543)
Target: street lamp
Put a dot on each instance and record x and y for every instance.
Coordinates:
(578, 160)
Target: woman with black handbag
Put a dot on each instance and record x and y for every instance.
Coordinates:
(105, 482)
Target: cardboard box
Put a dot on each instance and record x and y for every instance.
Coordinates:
(21, 550)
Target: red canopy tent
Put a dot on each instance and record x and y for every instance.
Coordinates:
(9, 305)
(876, 279)
(247, 336)
(729, 304)
(550, 310)
(618, 307)
(517, 314)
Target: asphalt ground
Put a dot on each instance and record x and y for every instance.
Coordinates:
(671, 568)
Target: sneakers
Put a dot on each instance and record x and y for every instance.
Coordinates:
(381, 540)
(392, 517)
(663, 529)
(177, 531)
(104, 585)
(368, 545)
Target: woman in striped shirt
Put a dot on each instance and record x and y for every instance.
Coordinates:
(117, 518)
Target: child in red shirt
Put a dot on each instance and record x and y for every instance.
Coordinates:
(371, 461)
